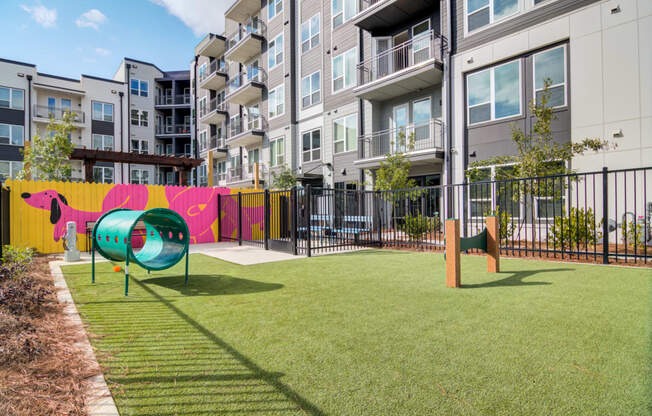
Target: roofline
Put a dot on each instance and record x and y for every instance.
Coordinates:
(9, 61)
(102, 79)
(43, 74)
(154, 65)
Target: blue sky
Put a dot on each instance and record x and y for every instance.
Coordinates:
(73, 37)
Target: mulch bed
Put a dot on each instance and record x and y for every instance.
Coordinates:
(42, 371)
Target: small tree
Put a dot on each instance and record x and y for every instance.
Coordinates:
(394, 170)
(47, 156)
(284, 180)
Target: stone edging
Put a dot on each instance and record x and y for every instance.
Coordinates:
(99, 401)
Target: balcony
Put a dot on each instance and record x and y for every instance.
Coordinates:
(218, 144)
(212, 46)
(216, 76)
(240, 10)
(172, 100)
(376, 15)
(213, 113)
(246, 87)
(43, 114)
(246, 43)
(409, 67)
(245, 175)
(247, 132)
(427, 140)
(173, 130)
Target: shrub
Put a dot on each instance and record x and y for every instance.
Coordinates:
(15, 261)
(633, 233)
(417, 225)
(578, 228)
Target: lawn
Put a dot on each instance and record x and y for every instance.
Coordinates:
(372, 333)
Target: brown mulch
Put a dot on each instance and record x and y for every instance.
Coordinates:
(42, 369)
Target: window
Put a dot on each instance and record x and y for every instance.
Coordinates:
(345, 133)
(139, 87)
(139, 118)
(344, 70)
(202, 174)
(276, 101)
(277, 151)
(421, 115)
(253, 156)
(494, 93)
(102, 174)
(310, 33)
(102, 142)
(12, 98)
(551, 65)
(139, 146)
(275, 7)
(102, 111)
(202, 71)
(480, 194)
(311, 145)
(480, 13)
(343, 11)
(275, 51)
(203, 108)
(311, 89)
(11, 134)
(9, 169)
(203, 143)
(139, 176)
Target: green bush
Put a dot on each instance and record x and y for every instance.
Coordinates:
(15, 261)
(578, 228)
(417, 225)
(633, 233)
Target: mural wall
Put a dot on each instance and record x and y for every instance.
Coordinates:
(40, 210)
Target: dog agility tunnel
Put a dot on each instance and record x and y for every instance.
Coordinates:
(166, 239)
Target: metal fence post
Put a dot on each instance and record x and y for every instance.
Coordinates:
(293, 218)
(379, 218)
(308, 215)
(605, 215)
(219, 218)
(239, 218)
(267, 217)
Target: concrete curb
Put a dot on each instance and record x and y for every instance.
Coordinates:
(99, 401)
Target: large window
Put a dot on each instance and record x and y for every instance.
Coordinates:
(12, 98)
(275, 51)
(139, 146)
(345, 133)
(202, 71)
(102, 142)
(102, 174)
(203, 140)
(9, 169)
(139, 176)
(139, 87)
(139, 118)
(480, 13)
(276, 101)
(343, 10)
(311, 89)
(277, 151)
(480, 194)
(344, 70)
(311, 148)
(274, 8)
(102, 111)
(12, 134)
(494, 93)
(551, 65)
(310, 33)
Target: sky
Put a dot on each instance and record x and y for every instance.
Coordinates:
(73, 37)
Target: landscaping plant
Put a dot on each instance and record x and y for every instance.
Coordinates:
(578, 228)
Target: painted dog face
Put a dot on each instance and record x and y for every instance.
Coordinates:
(48, 200)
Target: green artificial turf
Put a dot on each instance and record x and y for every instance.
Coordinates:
(372, 333)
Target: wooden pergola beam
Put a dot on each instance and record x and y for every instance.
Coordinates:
(93, 156)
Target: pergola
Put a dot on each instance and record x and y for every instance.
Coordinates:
(91, 156)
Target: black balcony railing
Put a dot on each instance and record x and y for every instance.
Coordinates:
(412, 138)
(44, 111)
(179, 99)
(173, 129)
(213, 105)
(422, 48)
(251, 123)
(252, 26)
(245, 173)
(252, 74)
(213, 68)
(217, 142)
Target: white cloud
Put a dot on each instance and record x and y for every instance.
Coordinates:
(102, 51)
(92, 18)
(42, 15)
(202, 16)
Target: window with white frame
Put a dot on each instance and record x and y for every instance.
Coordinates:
(310, 33)
(139, 118)
(274, 8)
(202, 174)
(203, 108)
(102, 174)
(102, 111)
(203, 140)
(344, 70)
(480, 192)
(202, 71)
(276, 101)
(139, 176)
(345, 133)
(494, 93)
(12, 134)
(139, 87)
(9, 169)
(275, 51)
(139, 146)
(311, 145)
(12, 98)
(311, 89)
(343, 11)
(480, 13)
(102, 142)
(277, 151)
(551, 65)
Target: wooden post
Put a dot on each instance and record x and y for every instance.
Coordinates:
(493, 245)
(453, 272)
(256, 179)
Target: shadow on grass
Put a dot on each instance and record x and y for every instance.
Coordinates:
(516, 279)
(211, 285)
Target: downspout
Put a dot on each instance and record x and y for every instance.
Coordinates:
(194, 146)
(122, 137)
(361, 115)
(449, 89)
(294, 139)
(29, 107)
(128, 68)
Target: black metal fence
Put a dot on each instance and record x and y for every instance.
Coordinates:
(5, 217)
